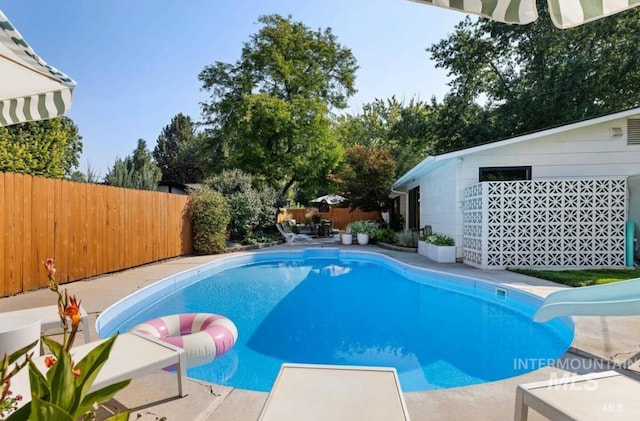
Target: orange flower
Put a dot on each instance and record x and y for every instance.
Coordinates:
(49, 361)
(75, 371)
(72, 311)
(49, 264)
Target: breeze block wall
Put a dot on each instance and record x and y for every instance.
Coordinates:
(571, 223)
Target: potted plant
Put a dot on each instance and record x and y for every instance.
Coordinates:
(347, 237)
(438, 247)
(363, 230)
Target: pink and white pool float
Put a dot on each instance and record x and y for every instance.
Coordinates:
(203, 336)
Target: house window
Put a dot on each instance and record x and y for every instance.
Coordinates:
(504, 173)
(414, 208)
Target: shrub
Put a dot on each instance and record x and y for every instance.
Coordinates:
(407, 238)
(438, 239)
(386, 235)
(209, 212)
(363, 227)
(249, 209)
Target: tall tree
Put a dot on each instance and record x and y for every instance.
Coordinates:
(178, 152)
(137, 171)
(367, 177)
(537, 76)
(403, 128)
(49, 148)
(268, 113)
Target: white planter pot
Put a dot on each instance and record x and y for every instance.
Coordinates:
(441, 254)
(422, 248)
(347, 239)
(363, 238)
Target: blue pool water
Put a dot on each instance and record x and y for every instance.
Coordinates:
(330, 307)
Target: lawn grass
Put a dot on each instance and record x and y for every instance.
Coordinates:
(580, 278)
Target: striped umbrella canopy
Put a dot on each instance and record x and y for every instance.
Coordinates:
(30, 89)
(564, 13)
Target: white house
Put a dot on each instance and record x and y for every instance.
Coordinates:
(574, 189)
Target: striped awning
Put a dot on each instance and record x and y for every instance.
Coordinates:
(564, 13)
(30, 89)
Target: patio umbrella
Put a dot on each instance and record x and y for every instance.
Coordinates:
(330, 199)
(564, 13)
(30, 89)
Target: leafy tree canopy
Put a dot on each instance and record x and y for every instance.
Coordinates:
(268, 113)
(179, 151)
(367, 177)
(537, 76)
(403, 128)
(49, 148)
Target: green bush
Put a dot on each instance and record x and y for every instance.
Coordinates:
(386, 235)
(249, 209)
(438, 239)
(363, 227)
(408, 238)
(209, 212)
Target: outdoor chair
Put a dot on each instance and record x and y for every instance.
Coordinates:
(291, 237)
(595, 396)
(133, 354)
(50, 319)
(335, 392)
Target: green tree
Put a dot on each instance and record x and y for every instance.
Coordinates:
(138, 171)
(403, 128)
(179, 151)
(537, 76)
(49, 148)
(367, 177)
(269, 113)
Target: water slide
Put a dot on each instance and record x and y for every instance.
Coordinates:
(615, 299)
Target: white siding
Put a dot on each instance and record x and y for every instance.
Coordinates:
(588, 152)
(439, 203)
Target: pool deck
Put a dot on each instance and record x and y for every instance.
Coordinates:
(614, 339)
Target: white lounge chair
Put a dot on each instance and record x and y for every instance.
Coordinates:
(335, 392)
(291, 237)
(49, 318)
(595, 396)
(133, 354)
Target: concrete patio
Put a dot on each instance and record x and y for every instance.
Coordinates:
(153, 397)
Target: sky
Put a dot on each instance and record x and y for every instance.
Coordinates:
(137, 62)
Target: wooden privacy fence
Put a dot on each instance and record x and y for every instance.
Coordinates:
(89, 229)
(340, 217)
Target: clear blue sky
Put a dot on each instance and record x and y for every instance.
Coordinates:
(137, 62)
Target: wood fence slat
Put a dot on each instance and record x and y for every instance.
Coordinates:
(101, 230)
(59, 229)
(29, 263)
(17, 229)
(91, 227)
(46, 220)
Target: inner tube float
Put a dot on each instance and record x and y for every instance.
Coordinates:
(203, 336)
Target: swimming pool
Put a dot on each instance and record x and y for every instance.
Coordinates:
(331, 306)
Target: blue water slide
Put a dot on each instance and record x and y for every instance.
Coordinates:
(615, 299)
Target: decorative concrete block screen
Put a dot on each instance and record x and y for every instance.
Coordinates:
(545, 223)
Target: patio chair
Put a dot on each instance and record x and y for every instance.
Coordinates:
(133, 354)
(49, 318)
(291, 237)
(595, 396)
(332, 392)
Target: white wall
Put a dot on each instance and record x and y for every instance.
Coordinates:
(586, 152)
(439, 202)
